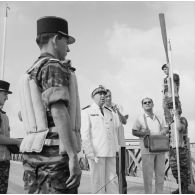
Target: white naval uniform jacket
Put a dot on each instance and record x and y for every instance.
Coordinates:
(98, 134)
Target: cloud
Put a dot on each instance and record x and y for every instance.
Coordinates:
(141, 56)
(131, 63)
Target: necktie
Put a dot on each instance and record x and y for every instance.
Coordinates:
(101, 109)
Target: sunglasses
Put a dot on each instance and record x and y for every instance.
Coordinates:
(149, 102)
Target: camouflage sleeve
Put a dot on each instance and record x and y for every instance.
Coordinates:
(55, 82)
(176, 79)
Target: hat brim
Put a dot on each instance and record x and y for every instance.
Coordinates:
(9, 92)
(99, 92)
(71, 39)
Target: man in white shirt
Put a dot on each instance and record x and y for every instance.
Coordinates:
(99, 141)
(151, 162)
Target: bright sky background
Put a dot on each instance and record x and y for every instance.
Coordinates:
(118, 45)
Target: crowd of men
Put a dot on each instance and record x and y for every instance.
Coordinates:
(55, 126)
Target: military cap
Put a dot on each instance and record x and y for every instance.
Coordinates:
(164, 66)
(98, 90)
(4, 86)
(53, 24)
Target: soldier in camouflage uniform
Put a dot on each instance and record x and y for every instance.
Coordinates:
(167, 95)
(55, 169)
(182, 126)
(5, 139)
(181, 130)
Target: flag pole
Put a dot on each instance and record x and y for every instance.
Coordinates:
(168, 52)
(174, 114)
(4, 41)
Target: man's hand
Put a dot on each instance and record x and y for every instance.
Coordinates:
(75, 173)
(126, 116)
(143, 133)
(147, 132)
(18, 142)
(92, 156)
(96, 159)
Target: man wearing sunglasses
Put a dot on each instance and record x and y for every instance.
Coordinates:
(150, 124)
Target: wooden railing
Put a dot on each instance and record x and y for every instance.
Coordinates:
(134, 166)
(134, 162)
(133, 159)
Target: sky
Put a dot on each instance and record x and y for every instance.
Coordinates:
(118, 45)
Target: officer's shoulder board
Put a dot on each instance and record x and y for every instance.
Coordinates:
(108, 108)
(3, 112)
(86, 107)
(62, 63)
(54, 60)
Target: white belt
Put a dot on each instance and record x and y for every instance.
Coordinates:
(51, 142)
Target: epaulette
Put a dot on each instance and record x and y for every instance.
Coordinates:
(39, 62)
(108, 108)
(3, 112)
(54, 60)
(86, 107)
(72, 68)
(68, 64)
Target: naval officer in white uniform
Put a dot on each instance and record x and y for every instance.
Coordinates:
(99, 141)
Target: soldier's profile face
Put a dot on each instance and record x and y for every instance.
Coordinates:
(99, 98)
(166, 70)
(62, 47)
(3, 97)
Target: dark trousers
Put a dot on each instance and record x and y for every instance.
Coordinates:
(4, 176)
(121, 172)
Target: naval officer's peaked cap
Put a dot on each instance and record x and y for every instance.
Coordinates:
(53, 24)
(98, 90)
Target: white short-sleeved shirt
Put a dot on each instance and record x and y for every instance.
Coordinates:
(155, 126)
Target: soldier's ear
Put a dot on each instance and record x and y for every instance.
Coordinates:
(54, 40)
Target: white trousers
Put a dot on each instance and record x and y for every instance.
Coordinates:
(153, 163)
(103, 176)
